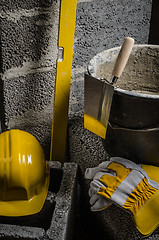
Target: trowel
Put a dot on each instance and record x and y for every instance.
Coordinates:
(98, 93)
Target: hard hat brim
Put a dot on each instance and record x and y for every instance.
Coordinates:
(26, 207)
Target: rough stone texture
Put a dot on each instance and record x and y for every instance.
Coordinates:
(63, 221)
(31, 87)
(31, 109)
(16, 232)
(24, 4)
(29, 40)
(57, 217)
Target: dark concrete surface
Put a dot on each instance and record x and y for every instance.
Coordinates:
(154, 34)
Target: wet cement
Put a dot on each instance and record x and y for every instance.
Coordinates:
(141, 73)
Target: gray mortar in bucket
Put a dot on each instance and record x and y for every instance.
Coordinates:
(139, 80)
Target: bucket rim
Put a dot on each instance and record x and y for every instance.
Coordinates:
(91, 71)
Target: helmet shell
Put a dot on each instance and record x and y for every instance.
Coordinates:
(24, 174)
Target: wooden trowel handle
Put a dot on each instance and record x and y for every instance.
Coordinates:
(123, 57)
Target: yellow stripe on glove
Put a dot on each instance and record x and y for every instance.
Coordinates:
(126, 184)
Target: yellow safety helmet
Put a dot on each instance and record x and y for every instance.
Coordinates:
(24, 174)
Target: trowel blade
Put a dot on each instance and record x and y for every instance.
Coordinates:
(98, 97)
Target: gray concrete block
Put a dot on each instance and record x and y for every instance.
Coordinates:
(104, 24)
(8, 232)
(85, 148)
(26, 96)
(29, 40)
(29, 105)
(76, 99)
(24, 4)
(63, 221)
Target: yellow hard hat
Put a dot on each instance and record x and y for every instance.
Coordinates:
(24, 174)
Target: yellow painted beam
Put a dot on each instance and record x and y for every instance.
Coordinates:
(63, 80)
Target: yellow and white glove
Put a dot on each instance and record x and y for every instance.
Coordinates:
(130, 186)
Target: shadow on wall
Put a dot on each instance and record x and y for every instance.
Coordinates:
(154, 33)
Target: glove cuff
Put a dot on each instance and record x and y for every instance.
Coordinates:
(147, 218)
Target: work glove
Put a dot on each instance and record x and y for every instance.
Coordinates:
(133, 187)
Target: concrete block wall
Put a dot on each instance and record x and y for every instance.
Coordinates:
(28, 53)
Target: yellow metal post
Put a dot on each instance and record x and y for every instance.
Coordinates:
(63, 80)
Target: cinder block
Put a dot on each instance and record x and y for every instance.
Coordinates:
(55, 221)
(28, 96)
(63, 221)
(29, 40)
(15, 232)
(24, 4)
(29, 105)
